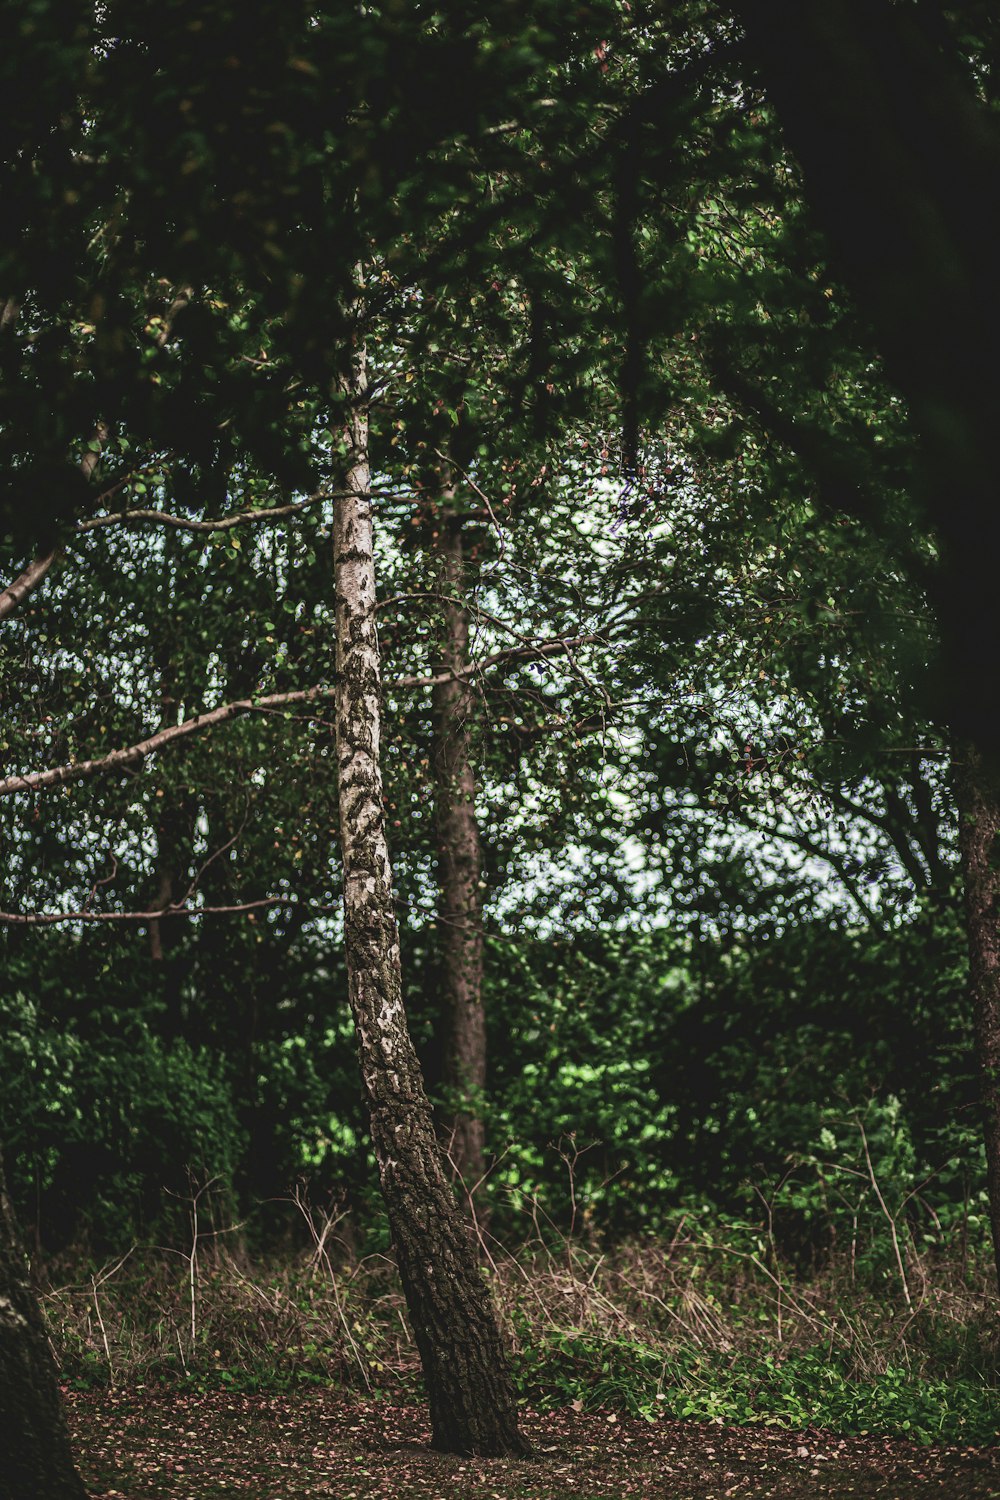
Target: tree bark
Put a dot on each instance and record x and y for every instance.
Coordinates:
(460, 862)
(174, 835)
(174, 831)
(469, 1387)
(37, 1463)
(978, 796)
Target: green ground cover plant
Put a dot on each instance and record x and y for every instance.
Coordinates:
(710, 1325)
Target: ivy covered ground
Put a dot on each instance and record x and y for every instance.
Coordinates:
(145, 1445)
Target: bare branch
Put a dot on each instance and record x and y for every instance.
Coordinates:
(216, 854)
(134, 755)
(15, 593)
(98, 883)
(595, 723)
(533, 650)
(189, 523)
(28, 581)
(446, 458)
(50, 918)
(220, 523)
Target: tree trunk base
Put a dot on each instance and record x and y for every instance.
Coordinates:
(36, 1462)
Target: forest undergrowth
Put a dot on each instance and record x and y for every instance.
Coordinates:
(712, 1323)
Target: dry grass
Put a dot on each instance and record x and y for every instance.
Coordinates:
(206, 1312)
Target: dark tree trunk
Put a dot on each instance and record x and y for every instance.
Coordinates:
(469, 1387)
(460, 864)
(178, 810)
(901, 164)
(174, 835)
(36, 1462)
(978, 794)
(35, 1458)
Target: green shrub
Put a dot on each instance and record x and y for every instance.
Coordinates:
(94, 1133)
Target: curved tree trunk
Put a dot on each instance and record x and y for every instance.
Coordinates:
(469, 1387)
(460, 863)
(978, 795)
(35, 1458)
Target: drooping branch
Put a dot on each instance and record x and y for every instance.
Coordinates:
(840, 865)
(134, 755)
(894, 823)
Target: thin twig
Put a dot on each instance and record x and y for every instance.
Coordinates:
(217, 854)
(483, 497)
(885, 1209)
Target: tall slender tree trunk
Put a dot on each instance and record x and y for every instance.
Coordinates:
(177, 813)
(460, 861)
(469, 1386)
(978, 796)
(174, 835)
(35, 1458)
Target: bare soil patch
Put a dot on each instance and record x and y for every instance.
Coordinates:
(153, 1444)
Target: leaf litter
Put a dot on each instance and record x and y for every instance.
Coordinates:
(156, 1444)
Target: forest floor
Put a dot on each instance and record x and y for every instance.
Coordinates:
(154, 1444)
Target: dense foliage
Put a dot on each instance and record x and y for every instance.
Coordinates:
(650, 439)
(632, 1074)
